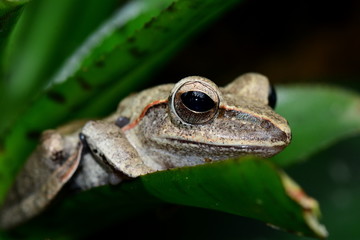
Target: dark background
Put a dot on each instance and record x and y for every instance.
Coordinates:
(289, 41)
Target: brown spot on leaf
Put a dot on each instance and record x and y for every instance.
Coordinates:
(171, 8)
(83, 83)
(137, 53)
(33, 135)
(56, 97)
(100, 63)
(6, 18)
(2, 146)
(149, 23)
(131, 39)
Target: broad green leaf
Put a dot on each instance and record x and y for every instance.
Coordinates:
(79, 214)
(9, 14)
(46, 34)
(332, 176)
(127, 53)
(247, 187)
(318, 116)
(8, 5)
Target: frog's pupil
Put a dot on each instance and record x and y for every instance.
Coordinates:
(272, 97)
(197, 101)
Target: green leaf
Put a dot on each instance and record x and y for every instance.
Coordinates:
(332, 176)
(8, 5)
(318, 116)
(46, 34)
(111, 203)
(126, 55)
(247, 187)
(9, 14)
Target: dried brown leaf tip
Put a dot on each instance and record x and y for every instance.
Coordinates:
(311, 210)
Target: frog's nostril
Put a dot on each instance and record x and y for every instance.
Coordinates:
(266, 124)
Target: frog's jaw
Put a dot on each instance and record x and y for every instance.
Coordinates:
(222, 151)
(231, 134)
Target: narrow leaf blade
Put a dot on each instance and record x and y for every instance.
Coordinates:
(101, 73)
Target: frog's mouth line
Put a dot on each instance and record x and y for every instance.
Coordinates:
(244, 148)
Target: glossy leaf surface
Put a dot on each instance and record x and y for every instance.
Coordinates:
(9, 14)
(249, 187)
(318, 116)
(131, 48)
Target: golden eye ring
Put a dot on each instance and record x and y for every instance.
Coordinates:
(195, 100)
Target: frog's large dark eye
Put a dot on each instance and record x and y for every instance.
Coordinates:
(194, 100)
(272, 97)
(197, 101)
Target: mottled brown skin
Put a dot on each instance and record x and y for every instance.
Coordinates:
(151, 131)
(48, 168)
(244, 125)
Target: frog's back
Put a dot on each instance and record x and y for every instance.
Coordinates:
(133, 106)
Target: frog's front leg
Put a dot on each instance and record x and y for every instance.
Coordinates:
(48, 168)
(111, 148)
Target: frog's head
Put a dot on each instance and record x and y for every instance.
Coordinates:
(235, 120)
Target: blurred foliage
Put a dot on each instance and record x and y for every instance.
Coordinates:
(125, 50)
(9, 13)
(334, 115)
(68, 49)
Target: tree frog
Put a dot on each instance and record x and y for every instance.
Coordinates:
(188, 123)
